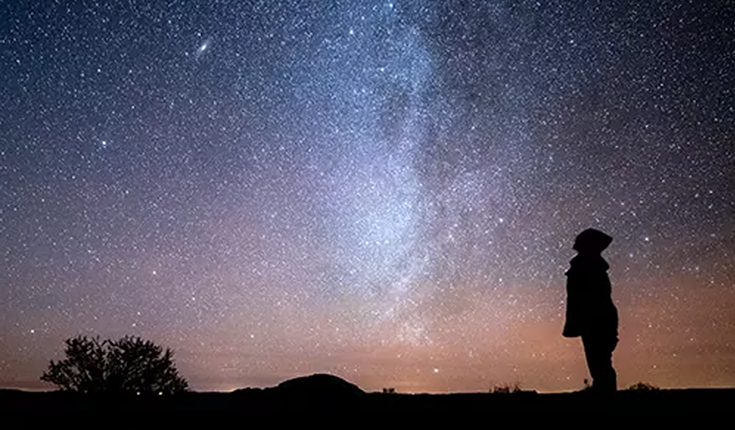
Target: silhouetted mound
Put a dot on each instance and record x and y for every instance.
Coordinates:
(318, 387)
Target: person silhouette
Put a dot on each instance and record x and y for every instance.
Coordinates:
(591, 313)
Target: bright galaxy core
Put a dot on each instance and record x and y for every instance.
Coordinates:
(383, 190)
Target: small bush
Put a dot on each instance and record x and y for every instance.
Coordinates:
(642, 386)
(506, 389)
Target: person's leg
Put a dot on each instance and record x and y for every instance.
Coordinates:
(606, 377)
(599, 360)
(609, 377)
(591, 354)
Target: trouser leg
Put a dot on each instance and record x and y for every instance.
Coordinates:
(599, 360)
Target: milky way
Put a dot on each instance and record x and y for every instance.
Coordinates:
(386, 191)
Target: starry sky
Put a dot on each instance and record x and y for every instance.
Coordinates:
(384, 190)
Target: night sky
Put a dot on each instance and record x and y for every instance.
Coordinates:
(384, 190)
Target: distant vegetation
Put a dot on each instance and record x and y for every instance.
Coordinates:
(129, 365)
(506, 389)
(638, 386)
(642, 386)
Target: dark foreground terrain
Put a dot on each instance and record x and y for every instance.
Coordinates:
(328, 392)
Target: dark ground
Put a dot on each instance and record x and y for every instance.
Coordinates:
(246, 400)
(324, 391)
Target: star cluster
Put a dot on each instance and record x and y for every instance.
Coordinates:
(384, 190)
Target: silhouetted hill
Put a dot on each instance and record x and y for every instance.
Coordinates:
(319, 390)
(319, 385)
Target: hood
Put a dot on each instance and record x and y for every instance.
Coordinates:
(592, 241)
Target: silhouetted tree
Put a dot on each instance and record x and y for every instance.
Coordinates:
(130, 365)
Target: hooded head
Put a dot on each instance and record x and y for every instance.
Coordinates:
(591, 241)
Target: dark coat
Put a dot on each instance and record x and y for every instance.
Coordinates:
(590, 309)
